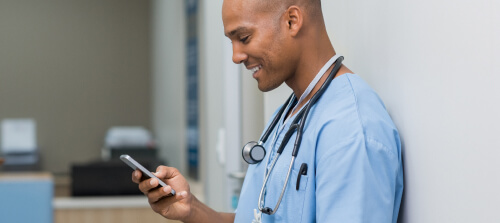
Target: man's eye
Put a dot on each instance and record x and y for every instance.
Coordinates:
(244, 39)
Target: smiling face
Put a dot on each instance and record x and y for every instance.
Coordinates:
(260, 41)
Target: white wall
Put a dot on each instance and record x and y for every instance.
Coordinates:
(434, 63)
(231, 102)
(211, 98)
(273, 99)
(168, 81)
(169, 97)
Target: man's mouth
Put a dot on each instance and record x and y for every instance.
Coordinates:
(255, 69)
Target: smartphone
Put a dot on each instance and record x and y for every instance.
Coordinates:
(136, 165)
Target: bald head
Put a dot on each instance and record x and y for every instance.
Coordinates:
(312, 7)
(276, 7)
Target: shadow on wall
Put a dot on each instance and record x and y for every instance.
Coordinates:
(401, 215)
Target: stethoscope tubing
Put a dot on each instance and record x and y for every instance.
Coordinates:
(297, 125)
(315, 98)
(274, 122)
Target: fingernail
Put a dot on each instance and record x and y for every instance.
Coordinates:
(167, 189)
(183, 194)
(136, 174)
(152, 182)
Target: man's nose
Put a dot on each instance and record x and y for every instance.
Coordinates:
(238, 55)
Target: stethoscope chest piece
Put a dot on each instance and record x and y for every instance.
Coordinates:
(253, 152)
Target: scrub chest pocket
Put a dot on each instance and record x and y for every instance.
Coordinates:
(292, 206)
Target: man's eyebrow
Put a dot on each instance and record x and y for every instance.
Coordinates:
(235, 31)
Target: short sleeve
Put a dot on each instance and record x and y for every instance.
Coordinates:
(356, 182)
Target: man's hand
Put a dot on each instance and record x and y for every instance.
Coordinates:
(183, 206)
(176, 207)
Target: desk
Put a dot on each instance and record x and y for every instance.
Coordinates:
(128, 209)
(119, 209)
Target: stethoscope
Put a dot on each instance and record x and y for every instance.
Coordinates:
(254, 152)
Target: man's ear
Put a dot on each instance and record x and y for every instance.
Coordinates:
(295, 19)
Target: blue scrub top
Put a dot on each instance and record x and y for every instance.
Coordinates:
(353, 153)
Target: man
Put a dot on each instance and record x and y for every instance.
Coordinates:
(350, 145)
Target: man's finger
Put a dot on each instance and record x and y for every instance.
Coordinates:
(146, 185)
(166, 202)
(159, 193)
(166, 172)
(136, 176)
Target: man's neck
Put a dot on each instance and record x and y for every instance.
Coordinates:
(305, 83)
(307, 69)
(343, 70)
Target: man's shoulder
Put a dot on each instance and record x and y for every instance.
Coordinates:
(348, 98)
(351, 109)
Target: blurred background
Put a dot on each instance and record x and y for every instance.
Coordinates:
(82, 82)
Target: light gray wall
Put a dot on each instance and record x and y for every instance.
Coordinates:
(169, 81)
(252, 108)
(273, 99)
(78, 68)
(217, 107)
(211, 97)
(435, 65)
